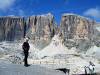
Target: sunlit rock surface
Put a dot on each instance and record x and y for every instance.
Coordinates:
(75, 30)
(42, 29)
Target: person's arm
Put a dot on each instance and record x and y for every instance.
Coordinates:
(23, 46)
(28, 46)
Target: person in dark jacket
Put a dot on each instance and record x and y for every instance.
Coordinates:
(26, 48)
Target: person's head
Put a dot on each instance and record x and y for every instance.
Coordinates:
(26, 39)
(90, 62)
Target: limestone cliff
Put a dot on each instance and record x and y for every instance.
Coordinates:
(42, 29)
(11, 28)
(76, 29)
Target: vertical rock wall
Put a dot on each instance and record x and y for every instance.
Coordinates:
(11, 28)
(76, 31)
(42, 29)
(76, 27)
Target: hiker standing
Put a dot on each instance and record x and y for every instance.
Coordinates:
(91, 67)
(26, 48)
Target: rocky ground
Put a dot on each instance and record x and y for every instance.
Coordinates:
(53, 56)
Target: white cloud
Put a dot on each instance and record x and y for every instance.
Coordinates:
(21, 12)
(93, 12)
(11, 15)
(5, 4)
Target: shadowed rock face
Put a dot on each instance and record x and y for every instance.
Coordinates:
(76, 28)
(42, 29)
(11, 28)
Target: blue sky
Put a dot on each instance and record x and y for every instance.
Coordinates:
(88, 8)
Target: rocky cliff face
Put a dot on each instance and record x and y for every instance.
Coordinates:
(42, 29)
(38, 28)
(76, 29)
(96, 35)
(11, 28)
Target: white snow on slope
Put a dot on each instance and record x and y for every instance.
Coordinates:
(94, 51)
(55, 47)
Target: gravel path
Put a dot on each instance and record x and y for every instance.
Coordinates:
(13, 69)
